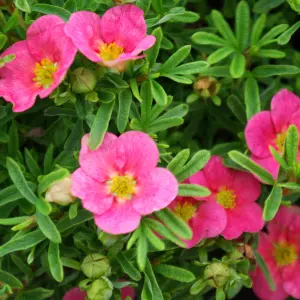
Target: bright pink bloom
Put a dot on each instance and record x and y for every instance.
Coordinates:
(127, 291)
(119, 182)
(41, 63)
(280, 249)
(268, 128)
(75, 294)
(235, 193)
(206, 219)
(120, 35)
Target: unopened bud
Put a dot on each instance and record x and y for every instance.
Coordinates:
(83, 80)
(100, 289)
(60, 192)
(217, 274)
(95, 266)
(207, 87)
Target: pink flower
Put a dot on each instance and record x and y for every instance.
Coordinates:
(280, 249)
(235, 193)
(75, 294)
(127, 291)
(207, 219)
(120, 35)
(41, 63)
(119, 182)
(268, 128)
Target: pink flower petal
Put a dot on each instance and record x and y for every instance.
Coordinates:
(269, 164)
(139, 151)
(243, 218)
(246, 187)
(209, 221)
(147, 42)
(284, 105)
(266, 248)
(121, 218)
(75, 294)
(121, 60)
(199, 179)
(124, 25)
(291, 279)
(93, 194)
(260, 134)
(84, 28)
(127, 291)
(100, 163)
(43, 24)
(156, 190)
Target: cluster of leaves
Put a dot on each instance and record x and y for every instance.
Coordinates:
(43, 244)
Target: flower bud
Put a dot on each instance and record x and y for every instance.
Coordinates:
(83, 80)
(100, 289)
(60, 192)
(95, 266)
(92, 97)
(207, 87)
(217, 274)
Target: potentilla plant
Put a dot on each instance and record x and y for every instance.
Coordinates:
(149, 149)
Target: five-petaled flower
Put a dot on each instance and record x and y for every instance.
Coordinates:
(280, 249)
(235, 192)
(119, 182)
(269, 128)
(41, 63)
(119, 36)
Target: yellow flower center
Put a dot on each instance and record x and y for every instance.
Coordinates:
(44, 73)
(280, 140)
(226, 198)
(110, 51)
(185, 210)
(122, 187)
(285, 254)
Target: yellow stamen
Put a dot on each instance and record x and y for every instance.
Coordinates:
(122, 187)
(285, 254)
(110, 51)
(44, 73)
(280, 140)
(227, 198)
(185, 210)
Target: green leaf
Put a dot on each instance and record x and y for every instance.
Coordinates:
(52, 10)
(197, 162)
(158, 92)
(117, 81)
(12, 22)
(11, 280)
(177, 78)
(38, 293)
(290, 186)
(263, 266)
(223, 27)
(242, 24)
(219, 71)
(163, 124)
(152, 53)
(100, 125)
(128, 267)
(237, 108)
(147, 293)
(295, 4)
(21, 265)
(48, 228)
(13, 221)
(70, 263)
(3, 40)
(73, 210)
(177, 163)
(178, 111)
(157, 294)
(275, 70)
(141, 251)
(175, 273)
(272, 204)
(197, 287)
(31, 163)
(193, 190)
(175, 59)
(73, 141)
(263, 6)
(270, 53)
(251, 166)
(157, 5)
(252, 99)
(206, 38)
(13, 143)
(273, 33)
(257, 29)
(277, 156)
(238, 65)
(219, 54)
(189, 68)
(220, 294)
(134, 236)
(153, 239)
(291, 146)
(125, 100)
(135, 89)
(23, 5)
(285, 37)
(55, 265)
(144, 5)
(176, 224)
(19, 180)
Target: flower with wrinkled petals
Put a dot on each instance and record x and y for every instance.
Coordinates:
(119, 182)
(280, 249)
(75, 294)
(206, 219)
(269, 128)
(119, 36)
(41, 63)
(235, 193)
